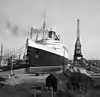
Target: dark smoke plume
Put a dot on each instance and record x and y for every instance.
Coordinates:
(11, 27)
(15, 29)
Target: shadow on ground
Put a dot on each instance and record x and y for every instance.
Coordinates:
(39, 89)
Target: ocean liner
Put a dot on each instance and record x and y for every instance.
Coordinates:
(45, 50)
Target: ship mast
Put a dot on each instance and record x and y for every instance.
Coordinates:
(44, 24)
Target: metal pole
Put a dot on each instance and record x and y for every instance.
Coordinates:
(34, 94)
(51, 91)
(78, 31)
(1, 54)
(64, 60)
(11, 67)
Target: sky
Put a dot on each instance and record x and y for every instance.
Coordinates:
(18, 16)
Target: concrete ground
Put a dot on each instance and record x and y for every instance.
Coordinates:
(28, 85)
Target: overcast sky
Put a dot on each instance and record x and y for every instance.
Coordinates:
(18, 16)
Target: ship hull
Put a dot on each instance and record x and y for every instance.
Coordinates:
(41, 58)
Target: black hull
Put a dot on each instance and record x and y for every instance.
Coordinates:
(38, 58)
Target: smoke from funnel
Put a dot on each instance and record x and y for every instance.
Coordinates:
(11, 27)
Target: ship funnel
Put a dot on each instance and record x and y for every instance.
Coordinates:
(31, 33)
(26, 43)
